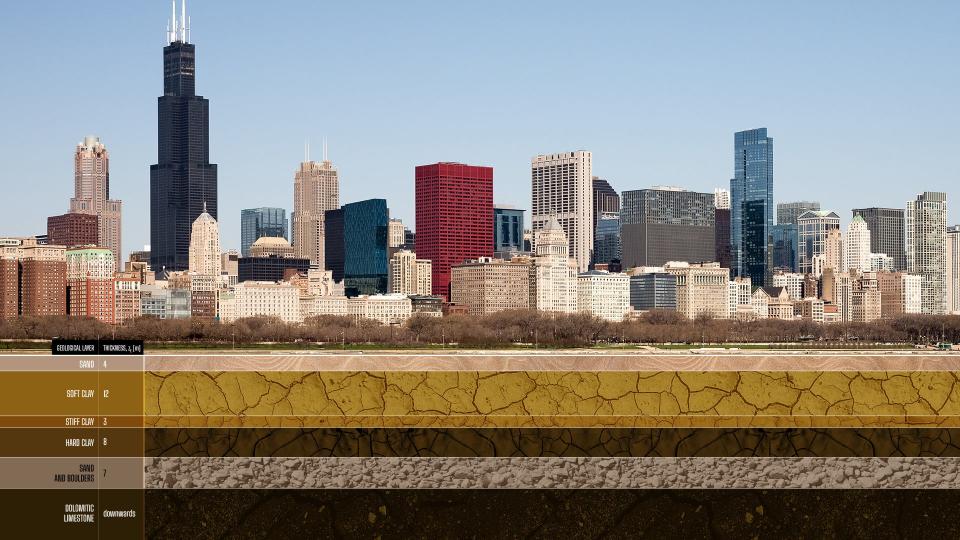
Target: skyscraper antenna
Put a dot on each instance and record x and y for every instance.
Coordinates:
(183, 21)
(172, 35)
(325, 149)
(306, 151)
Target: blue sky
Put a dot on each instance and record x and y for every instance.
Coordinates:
(860, 97)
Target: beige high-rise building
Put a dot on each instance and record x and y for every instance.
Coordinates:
(409, 275)
(856, 246)
(553, 273)
(205, 246)
(562, 189)
(702, 289)
(488, 285)
(316, 189)
(395, 233)
(91, 185)
(833, 250)
(866, 298)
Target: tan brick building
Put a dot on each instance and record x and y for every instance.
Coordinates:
(487, 285)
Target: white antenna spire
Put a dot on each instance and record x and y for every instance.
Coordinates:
(188, 29)
(183, 21)
(325, 149)
(172, 35)
(306, 151)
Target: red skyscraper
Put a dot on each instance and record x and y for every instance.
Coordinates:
(454, 217)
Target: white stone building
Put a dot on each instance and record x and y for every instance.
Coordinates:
(790, 281)
(553, 274)
(740, 290)
(205, 246)
(261, 299)
(604, 294)
(384, 308)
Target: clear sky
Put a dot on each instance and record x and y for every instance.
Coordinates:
(860, 97)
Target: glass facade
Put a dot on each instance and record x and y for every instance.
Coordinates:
(812, 231)
(787, 213)
(886, 233)
(653, 291)
(785, 254)
(659, 225)
(606, 243)
(183, 183)
(259, 222)
(507, 229)
(365, 247)
(751, 206)
(268, 268)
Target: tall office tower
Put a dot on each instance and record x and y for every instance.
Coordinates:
(316, 189)
(606, 242)
(73, 229)
(664, 224)
(832, 256)
(395, 236)
(785, 241)
(356, 246)
(553, 274)
(454, 207)
(722, 236)
(953, 270)
(91, 185)
(409, 275)
(856, 246)
(886, 233)
(813, 227)
(721, 199)
(255, 223)
(183, 180)
(789, 212)
(507, 230)
(205, 246)
(90, 283)
(562, 188)
(605, 201)
(926, 247)
(751, 206)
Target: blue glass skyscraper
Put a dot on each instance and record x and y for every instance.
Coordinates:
(356, 246)
(259, 222)
(751, 206)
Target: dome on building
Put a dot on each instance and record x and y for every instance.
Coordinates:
(271, 242)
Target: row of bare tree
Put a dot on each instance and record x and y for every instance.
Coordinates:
(505, 328)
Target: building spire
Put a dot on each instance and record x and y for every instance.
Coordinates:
(178, 30)
(325, 149)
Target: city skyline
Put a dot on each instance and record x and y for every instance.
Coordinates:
(377, 158)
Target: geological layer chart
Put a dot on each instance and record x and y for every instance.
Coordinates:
(552, 421)
(254, 445)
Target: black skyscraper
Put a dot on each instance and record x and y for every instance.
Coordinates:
(183, 179)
